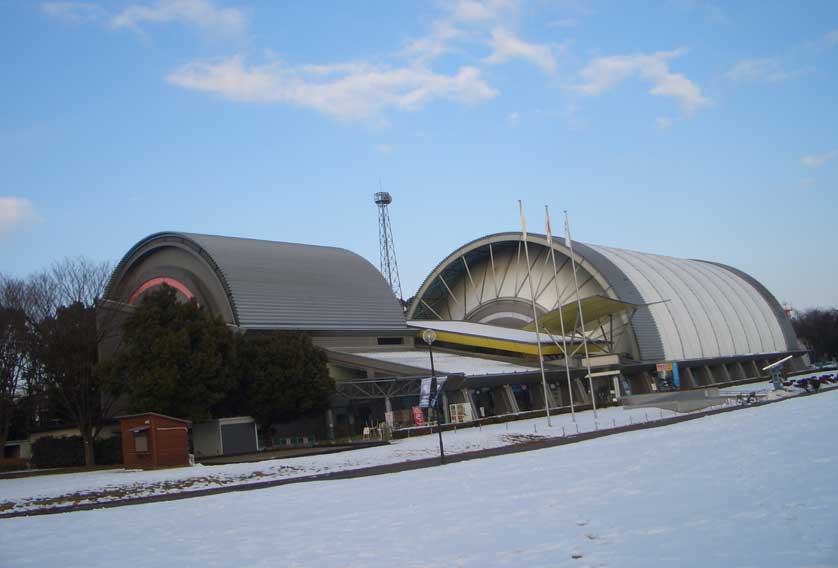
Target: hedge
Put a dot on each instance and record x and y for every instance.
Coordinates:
(69, 452)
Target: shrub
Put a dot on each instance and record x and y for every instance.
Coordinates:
(69, 452)
(58, 452)
(109, 450)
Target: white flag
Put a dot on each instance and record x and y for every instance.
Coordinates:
(566, 231)
(523, 219)
(547, 227)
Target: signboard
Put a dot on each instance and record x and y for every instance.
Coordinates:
(440, 382)
(460, 412)
(668, 375)
(418, 417)
(425, 393)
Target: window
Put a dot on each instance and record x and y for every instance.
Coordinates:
(141, 441)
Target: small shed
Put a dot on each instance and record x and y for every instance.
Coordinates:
(152, 440)
(225, 436)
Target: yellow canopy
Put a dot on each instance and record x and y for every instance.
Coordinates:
(499, 344)
(593, 309)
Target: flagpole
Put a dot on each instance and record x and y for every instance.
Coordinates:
(534, 313)
(559, 304)
(569, 244)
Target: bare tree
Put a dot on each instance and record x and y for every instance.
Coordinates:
(817, 328)
(64, 300)
(15, 336)
(79, 281)
(67, 282)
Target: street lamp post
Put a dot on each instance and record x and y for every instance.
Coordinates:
(429, 336)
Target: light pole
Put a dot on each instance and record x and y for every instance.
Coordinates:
(429, 336)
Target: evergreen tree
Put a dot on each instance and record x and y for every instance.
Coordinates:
(176, 358)
(282, 376)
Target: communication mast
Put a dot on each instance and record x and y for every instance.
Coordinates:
(389, 266)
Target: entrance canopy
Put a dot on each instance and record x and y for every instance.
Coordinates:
(594, 308)
(418, 361)
(491, 336)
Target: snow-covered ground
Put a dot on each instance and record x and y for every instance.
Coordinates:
(757, 487)
(763, 386)
(42, 492)
(98, 486)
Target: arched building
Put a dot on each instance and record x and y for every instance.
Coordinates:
(259, 286)
(264, 285)
(713, 323)
(717, 323)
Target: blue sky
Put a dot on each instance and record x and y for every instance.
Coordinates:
(680, 127)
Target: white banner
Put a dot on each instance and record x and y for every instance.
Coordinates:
(425, 393)
(440, 382)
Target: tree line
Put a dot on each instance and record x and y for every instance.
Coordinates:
(817, 329)
(172, 357)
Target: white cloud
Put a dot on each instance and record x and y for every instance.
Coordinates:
(436, 43)
(483, 23)
(345, 91)
(506, 47)
(711, 12)
(822, 43)
(564, 23)
(760, 70)
(383, 148)
(513, 119)
(817, 160)
(481, 11)
(605, 73)
(200, 13)
(465, 21)
(663, 122)
(14, 211)
(74, 12)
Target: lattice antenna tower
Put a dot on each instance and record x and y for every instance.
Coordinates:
(389, 266)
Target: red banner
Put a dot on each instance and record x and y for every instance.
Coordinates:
(418, 417)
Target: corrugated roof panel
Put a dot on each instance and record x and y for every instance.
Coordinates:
(789, 338)
(769, 335)
(707, 311)
(714, 310)
(275, 284)
(643, 323)
(647, 284)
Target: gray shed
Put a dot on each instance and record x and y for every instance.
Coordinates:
(225, 436)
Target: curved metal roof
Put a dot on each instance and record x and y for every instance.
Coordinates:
(702, 310)
(277, 285)
(692, 309)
